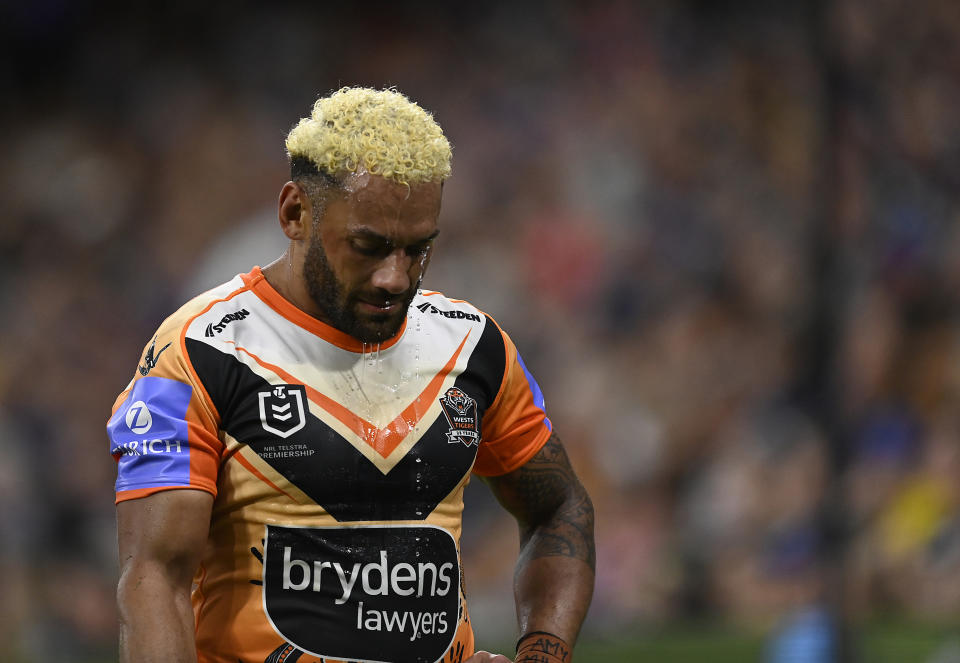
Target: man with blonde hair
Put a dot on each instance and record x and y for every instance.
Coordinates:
(293, 448)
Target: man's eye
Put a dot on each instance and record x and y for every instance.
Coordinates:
(376, 249)
(368, 249)
(418, 250)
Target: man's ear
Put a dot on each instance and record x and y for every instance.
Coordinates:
(294, 212)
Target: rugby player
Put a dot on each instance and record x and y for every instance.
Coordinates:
(293, 447)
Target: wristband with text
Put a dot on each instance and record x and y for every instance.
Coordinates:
(542, 647)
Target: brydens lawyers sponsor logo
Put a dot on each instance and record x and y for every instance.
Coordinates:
(427, 307)
(363, 593)
(213, 329)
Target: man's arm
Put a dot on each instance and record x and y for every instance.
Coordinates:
(161, 539)
(553, 583)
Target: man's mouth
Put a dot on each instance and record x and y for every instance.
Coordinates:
(380, 307)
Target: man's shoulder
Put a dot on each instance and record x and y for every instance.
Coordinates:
(164, 354)
(200, 304)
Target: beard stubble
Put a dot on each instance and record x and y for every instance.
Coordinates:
(339, 306)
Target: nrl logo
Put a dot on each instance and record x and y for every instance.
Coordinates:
(461, 413)
(281, 409)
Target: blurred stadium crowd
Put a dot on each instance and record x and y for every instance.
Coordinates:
(639, 194)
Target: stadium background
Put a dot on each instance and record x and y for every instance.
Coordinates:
(723, 234)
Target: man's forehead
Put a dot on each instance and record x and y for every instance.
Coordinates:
(353, 182)
(364, 188)
(381, 208)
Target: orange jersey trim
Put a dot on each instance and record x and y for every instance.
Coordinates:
(257, 473)
(430, 293)
(259, 285)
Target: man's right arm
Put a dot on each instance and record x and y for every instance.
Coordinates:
(161, 539)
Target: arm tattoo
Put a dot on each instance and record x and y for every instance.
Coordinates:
(553, 509)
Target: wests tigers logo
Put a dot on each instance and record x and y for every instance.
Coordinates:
(461, 413)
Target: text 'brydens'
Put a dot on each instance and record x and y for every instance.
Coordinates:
(376, 578)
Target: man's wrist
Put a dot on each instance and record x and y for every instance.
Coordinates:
(543, 647)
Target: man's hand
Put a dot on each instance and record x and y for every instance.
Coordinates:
(487, 657)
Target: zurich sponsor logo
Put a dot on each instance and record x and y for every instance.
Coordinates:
(149, 435)
(144, 447)
(139, 420)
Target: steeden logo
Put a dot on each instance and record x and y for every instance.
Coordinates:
(213, 329)
(427, 307)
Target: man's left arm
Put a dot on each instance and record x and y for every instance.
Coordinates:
(553, 582)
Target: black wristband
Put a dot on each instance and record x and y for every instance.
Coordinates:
(542, 647)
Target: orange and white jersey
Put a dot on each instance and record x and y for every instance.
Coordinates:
(338, 469)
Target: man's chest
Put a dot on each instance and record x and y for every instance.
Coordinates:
(369, 437)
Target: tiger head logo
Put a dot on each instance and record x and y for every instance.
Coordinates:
(461, 413)
(458, 400)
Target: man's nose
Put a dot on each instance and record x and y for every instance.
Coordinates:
(393, 273)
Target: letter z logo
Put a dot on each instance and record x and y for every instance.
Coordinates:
(282, 409)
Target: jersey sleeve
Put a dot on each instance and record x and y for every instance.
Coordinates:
(163, 431)
(515, 427)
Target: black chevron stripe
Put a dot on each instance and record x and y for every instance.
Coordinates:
(337, 476)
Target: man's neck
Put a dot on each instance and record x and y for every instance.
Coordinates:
(281, 276)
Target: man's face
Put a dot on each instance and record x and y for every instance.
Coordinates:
(368, 252)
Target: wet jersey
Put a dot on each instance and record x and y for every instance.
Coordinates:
(338, 469)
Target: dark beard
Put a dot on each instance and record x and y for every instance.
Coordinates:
(329, 295)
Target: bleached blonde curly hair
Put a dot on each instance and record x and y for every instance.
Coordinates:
(378, 130)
